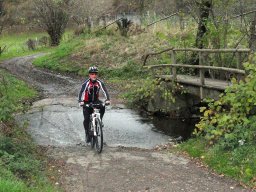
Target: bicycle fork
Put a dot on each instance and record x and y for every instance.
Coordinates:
(94, 126)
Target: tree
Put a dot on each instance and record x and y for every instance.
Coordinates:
(204, 10)
(53, 17)
(2, 13)
(85, 12)
(252, 40)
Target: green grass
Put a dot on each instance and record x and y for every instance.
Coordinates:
(16, 44)
(12, 94)
(239, 164)
(58, 59)
(20, 164)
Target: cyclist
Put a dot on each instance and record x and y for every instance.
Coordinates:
(89, 93)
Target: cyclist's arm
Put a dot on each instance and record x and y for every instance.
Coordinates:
(104, 90)
(82, 91)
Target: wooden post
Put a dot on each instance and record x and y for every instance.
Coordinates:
(174, 69)
(202, 83)
(239, 60)
(201, 74)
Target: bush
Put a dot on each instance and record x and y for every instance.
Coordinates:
(231, 121)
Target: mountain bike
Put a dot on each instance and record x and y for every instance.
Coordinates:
(95, 127)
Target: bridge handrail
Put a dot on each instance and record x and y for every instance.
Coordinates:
(201, 57)
(201, 68)
(213, 50)
(173, 51)
(232, 70)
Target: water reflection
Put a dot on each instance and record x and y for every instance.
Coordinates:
(175, 128)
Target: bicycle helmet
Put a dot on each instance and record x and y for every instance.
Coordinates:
(93, 70)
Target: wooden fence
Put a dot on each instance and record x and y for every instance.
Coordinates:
(202, 67)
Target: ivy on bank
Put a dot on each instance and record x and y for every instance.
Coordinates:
(142, 92)
(228, 127)
(231, 120)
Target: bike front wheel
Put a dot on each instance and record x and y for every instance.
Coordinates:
(92, 140)
(99, 137)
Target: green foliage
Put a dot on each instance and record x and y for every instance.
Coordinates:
(12, 93)
(238, 164)
(57, 59)
(128, 71)
(228, 129)
(16, 44)
(20, 165)
(12, 186)
(230, 121)
(144, 90)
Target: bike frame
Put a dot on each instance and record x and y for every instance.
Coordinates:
(95, 115)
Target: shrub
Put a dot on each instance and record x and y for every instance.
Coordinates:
(230, 121)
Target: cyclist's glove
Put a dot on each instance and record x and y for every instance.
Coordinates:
(107, 102)
(81, 103)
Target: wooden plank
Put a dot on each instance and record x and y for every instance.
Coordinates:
(195, 81)
(232, 70)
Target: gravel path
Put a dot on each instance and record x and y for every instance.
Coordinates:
(117, 168)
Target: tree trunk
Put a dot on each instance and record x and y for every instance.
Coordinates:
(252, 40)
(2, 13)
(53, 17)
(205, 8)
(124, 25)
(141, 6)
(180, 8)
(55, 38)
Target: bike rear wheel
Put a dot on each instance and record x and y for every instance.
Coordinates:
(99, 137)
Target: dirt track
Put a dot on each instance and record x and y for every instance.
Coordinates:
(117, 168)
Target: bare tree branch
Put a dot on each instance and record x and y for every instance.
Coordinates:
(242, 14)
(167, 17)
(156, 53)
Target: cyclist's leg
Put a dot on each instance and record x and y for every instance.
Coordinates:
(87, 111)
(102, 111)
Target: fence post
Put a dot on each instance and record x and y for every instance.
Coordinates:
(174, 69)
(202, 83)
(239, 60)
(201, 75)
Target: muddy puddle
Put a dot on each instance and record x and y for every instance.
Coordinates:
(58, 122)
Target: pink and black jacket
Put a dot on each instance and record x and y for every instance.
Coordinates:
(89, 92)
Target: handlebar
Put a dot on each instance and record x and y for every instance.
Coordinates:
(96, 105)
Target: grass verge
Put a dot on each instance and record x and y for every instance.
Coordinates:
(21, 163)
(238, 164)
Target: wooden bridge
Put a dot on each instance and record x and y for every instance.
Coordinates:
(199, 81)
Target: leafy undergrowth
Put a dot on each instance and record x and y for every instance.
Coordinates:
(228, 131)
(20, 161)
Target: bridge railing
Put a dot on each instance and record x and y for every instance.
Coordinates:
(202, 67)
(202, 53)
